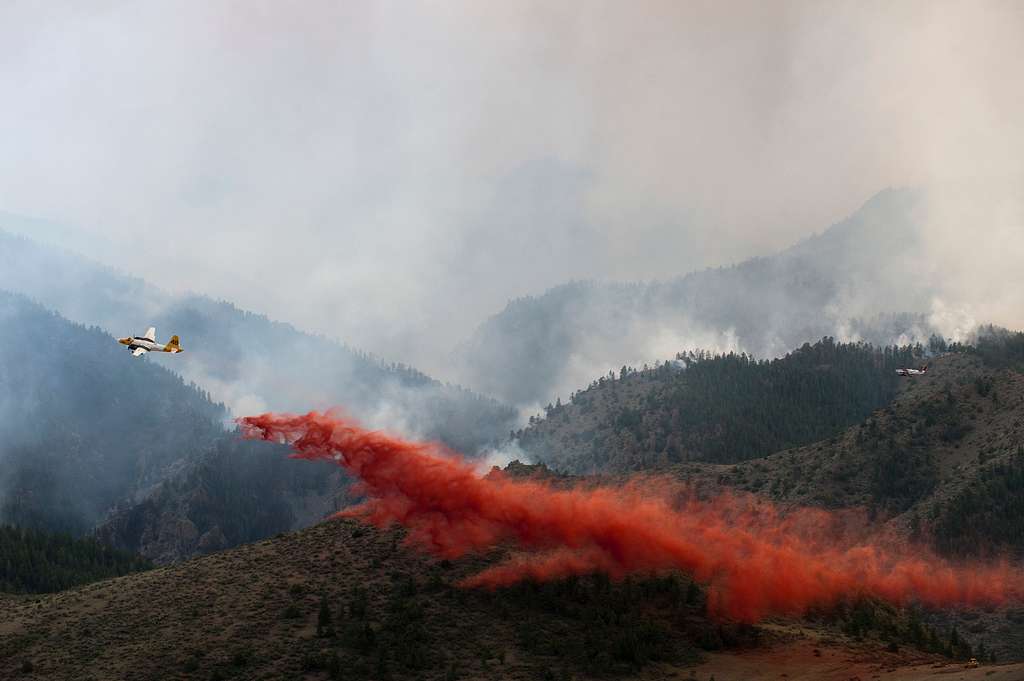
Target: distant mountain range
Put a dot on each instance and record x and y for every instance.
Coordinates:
(862, 279)
(94, 441)
(92, 438)
(157, 473)
(247, 361)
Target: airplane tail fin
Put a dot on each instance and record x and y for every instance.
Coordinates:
(172, 345)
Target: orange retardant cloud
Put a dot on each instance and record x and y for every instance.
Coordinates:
(756, 560)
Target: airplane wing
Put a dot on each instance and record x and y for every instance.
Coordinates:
(139, 352)
(151, 334)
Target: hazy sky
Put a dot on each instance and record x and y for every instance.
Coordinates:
(392, 172)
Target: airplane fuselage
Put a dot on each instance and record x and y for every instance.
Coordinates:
(134, 343)
(140, 345)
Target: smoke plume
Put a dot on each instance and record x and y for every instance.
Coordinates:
(756, 561)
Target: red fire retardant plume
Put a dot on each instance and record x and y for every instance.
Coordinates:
(755, 560)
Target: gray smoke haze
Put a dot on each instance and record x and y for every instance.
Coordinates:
(872, 277)
(391, 173)
(246, 361)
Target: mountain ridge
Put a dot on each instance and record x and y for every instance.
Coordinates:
(714, 408)
(93, 440)
(540, 347)
(247, 360)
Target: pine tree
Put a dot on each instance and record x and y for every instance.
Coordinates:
(324, 621)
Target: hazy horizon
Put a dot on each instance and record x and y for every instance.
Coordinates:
(392, 174)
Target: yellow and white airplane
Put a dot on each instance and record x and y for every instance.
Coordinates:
(140, 345)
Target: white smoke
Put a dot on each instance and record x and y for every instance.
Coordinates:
(501, 457)
(955, 324)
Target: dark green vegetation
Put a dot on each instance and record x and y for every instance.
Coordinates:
(941, 465)
(600, 626)
(237, 492)
(1000, 348)
(986, 516)
(583, 624)
(82, 426)
(944, 458)
(93, 436)
(34, 561)
(895, 627)
(90, 433)
(936, 460)
(719, 409)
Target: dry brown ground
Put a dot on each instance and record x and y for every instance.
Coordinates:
(222, 616)
(798, 662)
(153, 625)
(810, 654)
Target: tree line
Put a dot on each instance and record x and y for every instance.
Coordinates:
(721, 408)
(34, 561)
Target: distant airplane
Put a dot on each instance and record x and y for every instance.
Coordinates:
(140, 345)
(912, 372)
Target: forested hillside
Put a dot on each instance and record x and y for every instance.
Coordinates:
(999, 348)
(35, 561)
(938, 460)
(944, 456)
(941, 465)
(83, 424)
(238, 492)
(987, 515)
(849, 282)
(247, 361)
(715, 408)
(91, 436)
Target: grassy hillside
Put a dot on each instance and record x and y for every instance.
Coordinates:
(715, 408)
(342, 601)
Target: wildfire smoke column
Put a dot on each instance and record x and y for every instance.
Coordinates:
(756, 560)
